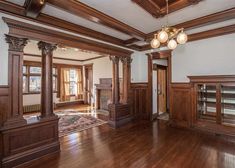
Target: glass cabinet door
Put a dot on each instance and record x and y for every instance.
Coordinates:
(206, 102)
(228, 103)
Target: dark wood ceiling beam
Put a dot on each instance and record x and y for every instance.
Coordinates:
(19, 11)
(202, 35)
(91, 14)
(34, 7)
(203, 21)
(21, 29)
(180, 4)
(149, 7)
(131, 41)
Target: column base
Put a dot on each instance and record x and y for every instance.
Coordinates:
(119, 115)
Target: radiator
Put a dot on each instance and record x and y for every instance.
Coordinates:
(32, 108)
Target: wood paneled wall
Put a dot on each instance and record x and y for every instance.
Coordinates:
(180, 104)
(139, 100)
(4, 103)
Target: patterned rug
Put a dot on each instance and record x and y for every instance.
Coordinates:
(72, 121)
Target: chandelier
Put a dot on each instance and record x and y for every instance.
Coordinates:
(170, 35)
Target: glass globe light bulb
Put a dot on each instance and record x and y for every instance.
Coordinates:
(162, 36)
(182, 38)
(155, 43)
(172, 44)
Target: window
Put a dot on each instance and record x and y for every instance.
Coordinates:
(71, 83)
(32, 79)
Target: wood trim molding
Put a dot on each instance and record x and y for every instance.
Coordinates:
(203, 35)
(91, 14)
(153, 7)
(203, 21)
(30, 31)
(67, 59)
(33, 8)
(19, 11)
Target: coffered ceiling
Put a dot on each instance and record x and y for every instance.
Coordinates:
(127, 23)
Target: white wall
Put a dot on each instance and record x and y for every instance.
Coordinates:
(214, 56)
(4, 53)
(139, 67)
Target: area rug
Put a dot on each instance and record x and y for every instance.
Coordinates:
(72, 121)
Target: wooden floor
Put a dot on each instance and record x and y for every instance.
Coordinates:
(141, 145)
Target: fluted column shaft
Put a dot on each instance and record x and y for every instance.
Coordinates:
(115, 80)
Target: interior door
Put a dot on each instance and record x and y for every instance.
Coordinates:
(162, 89)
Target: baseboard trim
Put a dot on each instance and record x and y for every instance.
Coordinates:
(30, 155)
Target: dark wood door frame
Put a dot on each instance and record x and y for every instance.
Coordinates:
(162, 67)
(152, 56)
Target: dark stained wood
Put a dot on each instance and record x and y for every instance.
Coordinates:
(67, 59)
(157, 8)
(139, 101)
(80, 9)
(18, 28)
(143, 145)
(126, 65)
(115, 80)
(130, 41)
(16, 10)
(4, 104)
(14, 117)
(22, 141)
(47, 81)
(180, 104)
(34, 7)
(216, 127)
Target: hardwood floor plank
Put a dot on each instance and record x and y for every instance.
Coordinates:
(141, 145)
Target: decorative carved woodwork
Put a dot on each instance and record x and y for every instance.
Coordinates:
(47, 81)
(115, 80)
(16, 10)
(126, 64)
(157, 8)
(139, 101)
(14, 117)
(42, 34)
(180, 104)
(34, 7)
(82, 10)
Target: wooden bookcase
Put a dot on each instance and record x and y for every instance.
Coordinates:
(213, 103)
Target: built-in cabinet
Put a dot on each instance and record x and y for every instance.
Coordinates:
(213, 103)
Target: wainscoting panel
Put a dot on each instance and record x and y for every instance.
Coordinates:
(180, 104)
(4, 103)
(139, 98)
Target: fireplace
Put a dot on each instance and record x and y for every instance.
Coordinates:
(104, 93)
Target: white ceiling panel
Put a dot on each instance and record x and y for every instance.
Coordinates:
(52, 11)
(18, 2)
(133, 15)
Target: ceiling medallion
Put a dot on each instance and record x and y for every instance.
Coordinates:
(170, 35)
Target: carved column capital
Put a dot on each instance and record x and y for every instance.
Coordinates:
(46, 48)
(126, 60)
(114, 59)
(16, 43)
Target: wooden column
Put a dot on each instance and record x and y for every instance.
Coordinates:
(115, 80)
(126, 64)
(14, 115)
(47, 81)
